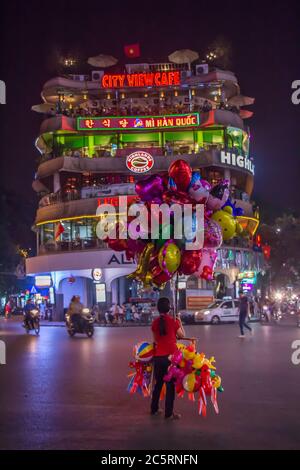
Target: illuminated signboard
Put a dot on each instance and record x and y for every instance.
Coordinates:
(139, 80)
(100, 293)
(43, 281)
(139, 162)
(169, 121)
(114, 201)
(97, 274)
(238, 161)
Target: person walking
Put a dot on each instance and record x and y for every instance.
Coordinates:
(244, 306)
(166, 330)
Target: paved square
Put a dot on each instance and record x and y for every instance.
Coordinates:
(70, 393)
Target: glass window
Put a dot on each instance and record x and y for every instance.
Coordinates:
(47, 232)
(227, 304)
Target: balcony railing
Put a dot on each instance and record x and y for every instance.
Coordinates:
(167, 150)
(73, 245)
(140, 109)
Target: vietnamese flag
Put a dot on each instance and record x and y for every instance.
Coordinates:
(132, 51)
(59, 230)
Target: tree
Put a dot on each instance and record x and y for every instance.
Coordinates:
(284, 238)
(17, 216)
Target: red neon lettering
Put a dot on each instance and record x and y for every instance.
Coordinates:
(142, 79)
(149, 79)
(176, 78)
(105, 79)
(130, 80)
(164, 79)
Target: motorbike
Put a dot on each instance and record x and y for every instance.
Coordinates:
(269, 314)
(34, 322)
(81, 323)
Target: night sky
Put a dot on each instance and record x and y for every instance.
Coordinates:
(265, 37)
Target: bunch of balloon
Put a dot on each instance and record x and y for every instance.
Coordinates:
(159, 258)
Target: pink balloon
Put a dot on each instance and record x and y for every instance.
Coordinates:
(205, 271)
(150, 188)
(199, 191)
(212, 234)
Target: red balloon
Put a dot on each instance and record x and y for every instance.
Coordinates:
(161, 278)
(177, 197)
(190, 261)
(117, 244)
(207, 273)
(181, 173)
(135, 246)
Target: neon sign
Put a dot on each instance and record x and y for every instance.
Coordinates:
(136, 80)
(114, 201)
(113, 123)
(240, 161)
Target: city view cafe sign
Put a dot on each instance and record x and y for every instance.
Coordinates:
(140, 80)
(237, 161)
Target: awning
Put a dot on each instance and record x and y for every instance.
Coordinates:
(240, 100)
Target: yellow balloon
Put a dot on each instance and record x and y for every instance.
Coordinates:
(169, 257)
(209, 362)
(198, 361)
(189, 383)
(188, 355)
(216, 381)
(143, 264)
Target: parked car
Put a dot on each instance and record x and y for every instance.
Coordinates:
(220, 311)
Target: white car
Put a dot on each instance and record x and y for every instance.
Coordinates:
(220, 311)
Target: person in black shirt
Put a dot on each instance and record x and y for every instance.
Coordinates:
(243, 314)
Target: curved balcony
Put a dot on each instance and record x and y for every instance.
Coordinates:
(220, 117)
(58, 85)
(57, 211)
(202, 159)
(88, 259)
(67, 210)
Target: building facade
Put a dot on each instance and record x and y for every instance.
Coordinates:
(91, 125)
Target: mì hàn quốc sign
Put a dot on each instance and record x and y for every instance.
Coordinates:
(140, 80)
(138, 122)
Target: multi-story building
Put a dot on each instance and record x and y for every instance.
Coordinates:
(91, 124)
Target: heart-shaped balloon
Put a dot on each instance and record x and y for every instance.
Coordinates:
(150, 188)
(190, 261)
(181, 173)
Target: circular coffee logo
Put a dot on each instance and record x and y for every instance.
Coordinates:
(139, 162)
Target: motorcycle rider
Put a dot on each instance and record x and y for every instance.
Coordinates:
(27, 312)
(75, 311)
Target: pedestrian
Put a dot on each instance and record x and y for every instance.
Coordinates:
(42, 309)
(122, 312)
(244, 306)
(7, 309)
(116, 313)
(166, 330)
(135, 313)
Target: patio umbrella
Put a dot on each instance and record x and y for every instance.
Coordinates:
(102, 61)
(43, 107)
(240, 100)
(183, 56)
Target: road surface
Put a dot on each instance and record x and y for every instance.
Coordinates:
(70, 393)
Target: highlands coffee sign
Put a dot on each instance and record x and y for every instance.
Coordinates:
(138, 123)
(140, 80)
(237, 161)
